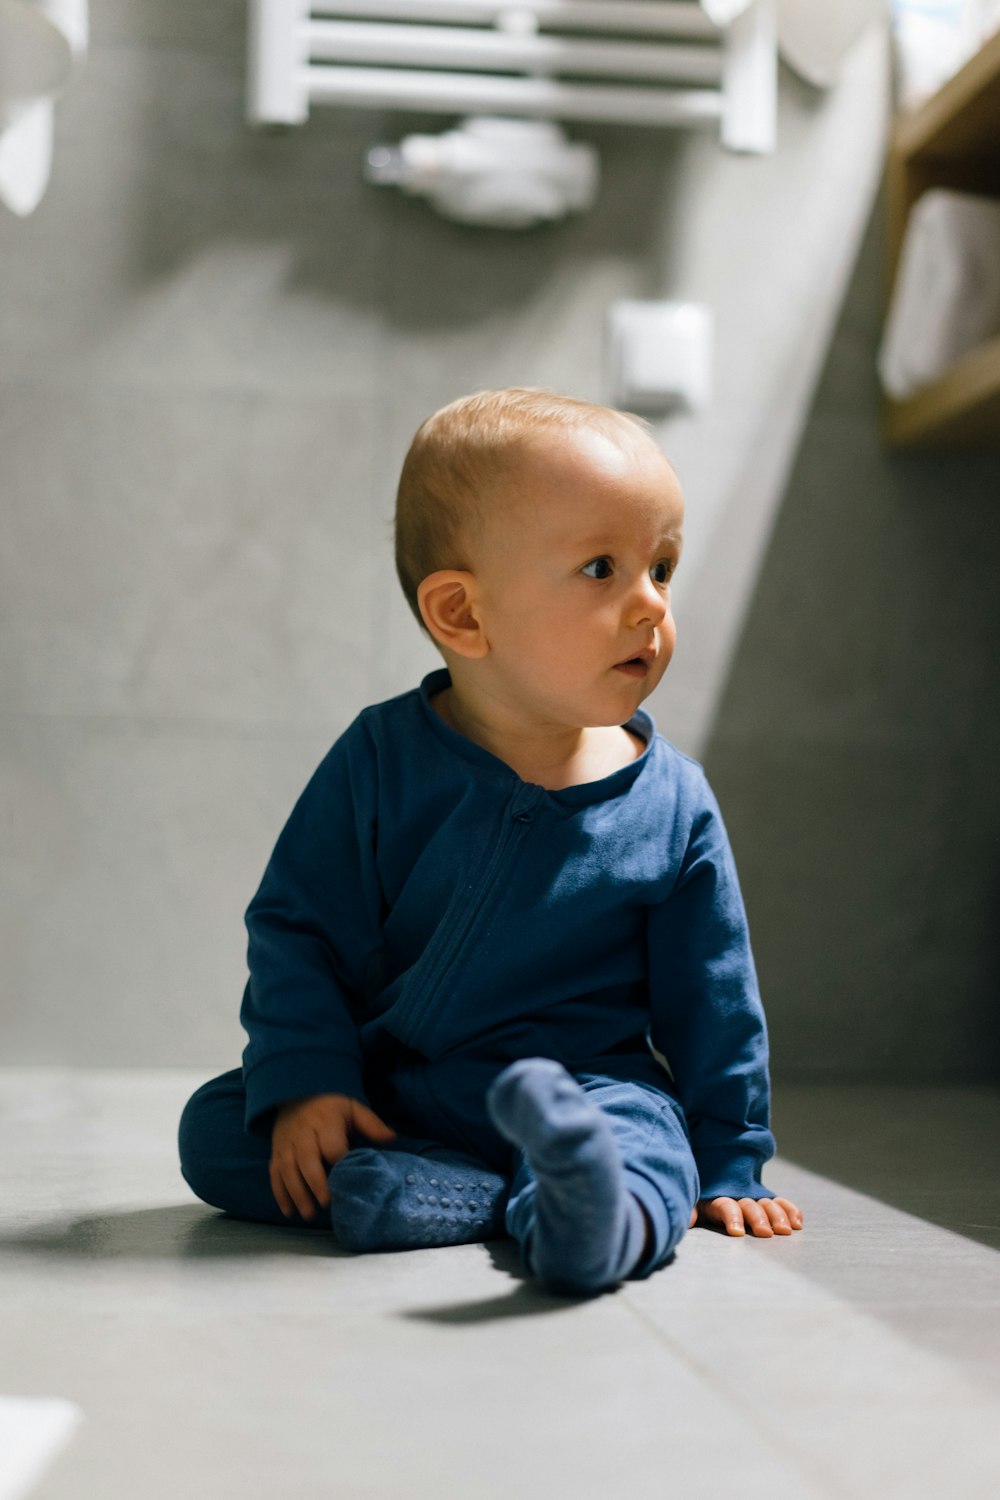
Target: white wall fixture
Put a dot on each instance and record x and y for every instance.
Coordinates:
(41, 41)
(508, 174)
(659, 356)
(724, 12)
(815, 36)
(627, 62)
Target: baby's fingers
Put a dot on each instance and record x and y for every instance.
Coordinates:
(725, 1212)
(367, 1123)
(772, 1216)
(757, 1219)
(764, 1217)
(777, 1216)
(289, 1187)
(315, 1172)
(298, 1178)
(792, 1212)
(282, 1197)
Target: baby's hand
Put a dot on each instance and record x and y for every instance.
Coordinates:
(764, 1217)
(309, 1135)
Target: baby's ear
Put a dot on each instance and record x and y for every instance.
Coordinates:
(447, 602)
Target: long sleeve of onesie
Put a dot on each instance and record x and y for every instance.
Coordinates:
(423, 904)
(707, 1016)
(312, 929)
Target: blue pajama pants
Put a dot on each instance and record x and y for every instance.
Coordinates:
(227, 1166)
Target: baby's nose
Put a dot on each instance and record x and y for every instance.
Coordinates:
(648, 602)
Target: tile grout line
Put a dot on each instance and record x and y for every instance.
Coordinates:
(787, 1450)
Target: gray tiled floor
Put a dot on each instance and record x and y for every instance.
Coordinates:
(215, 1359)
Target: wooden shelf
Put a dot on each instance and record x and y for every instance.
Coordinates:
(953, 141)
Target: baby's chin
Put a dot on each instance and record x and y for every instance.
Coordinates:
(637, 679)
(611, 720)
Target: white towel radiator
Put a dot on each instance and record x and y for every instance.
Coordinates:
(626, 62)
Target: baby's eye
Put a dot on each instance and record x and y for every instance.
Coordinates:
(599, 568)
(660, 571)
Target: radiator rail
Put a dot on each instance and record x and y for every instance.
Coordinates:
(626, 62)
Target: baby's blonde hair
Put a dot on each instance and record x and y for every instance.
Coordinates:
(458, 455)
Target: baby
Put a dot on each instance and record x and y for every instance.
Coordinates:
(500, 976)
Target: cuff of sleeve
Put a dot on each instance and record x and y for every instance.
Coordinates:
(723, 1175)
(295, 1075)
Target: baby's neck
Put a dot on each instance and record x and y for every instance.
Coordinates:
(555, 757)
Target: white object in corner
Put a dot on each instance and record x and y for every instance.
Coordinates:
(41, 42)
(815, 36)
(660, 356)
(947, 294)
(724, 12)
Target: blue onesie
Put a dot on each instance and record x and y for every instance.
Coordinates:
(427, 918)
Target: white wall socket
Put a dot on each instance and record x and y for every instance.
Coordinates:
(660, 355)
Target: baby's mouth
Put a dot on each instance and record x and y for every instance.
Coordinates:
(636, 666)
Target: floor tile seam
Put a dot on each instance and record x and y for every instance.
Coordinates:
(785, 1449)
(918, 1304)
(770, 1303)
(954, 1366)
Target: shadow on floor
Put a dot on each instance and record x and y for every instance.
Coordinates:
(526, 1300)
(193, 1232)
(176, 1233)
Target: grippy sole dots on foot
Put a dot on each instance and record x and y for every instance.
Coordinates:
(440, 1194)
(393, 1201)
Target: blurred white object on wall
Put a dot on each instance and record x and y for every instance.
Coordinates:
(41, 43)
(506, 174)
(660, 356)
(947, 293)
(724, 12)
(815, 36)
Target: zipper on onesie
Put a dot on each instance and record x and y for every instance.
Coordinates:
(518, 815)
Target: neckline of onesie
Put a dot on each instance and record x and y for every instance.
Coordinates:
(612, 785)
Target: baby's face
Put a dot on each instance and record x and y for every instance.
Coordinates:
(573, 572)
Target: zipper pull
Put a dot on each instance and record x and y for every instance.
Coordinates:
(527, 801)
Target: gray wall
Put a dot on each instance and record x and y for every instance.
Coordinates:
(214, 347)
(857, 745)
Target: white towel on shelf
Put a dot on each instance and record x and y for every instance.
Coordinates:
(946, 299)
(41, 44)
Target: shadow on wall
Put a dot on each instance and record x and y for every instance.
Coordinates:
(856, 744)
